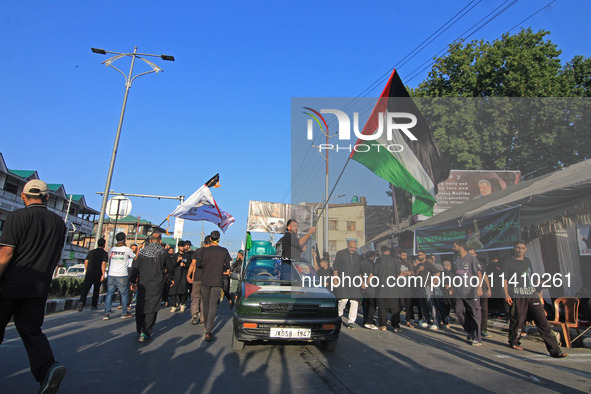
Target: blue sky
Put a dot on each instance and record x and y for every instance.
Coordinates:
(224, 104)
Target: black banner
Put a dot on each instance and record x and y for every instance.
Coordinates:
(495, 231)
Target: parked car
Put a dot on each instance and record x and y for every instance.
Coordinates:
(75, 271)
(277, 301)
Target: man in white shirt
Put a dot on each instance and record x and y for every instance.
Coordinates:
(120, 258)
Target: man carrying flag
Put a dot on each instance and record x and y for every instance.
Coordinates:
(416, 165)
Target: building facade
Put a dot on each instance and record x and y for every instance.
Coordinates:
(79, 217)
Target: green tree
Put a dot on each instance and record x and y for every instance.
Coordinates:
(496, 132)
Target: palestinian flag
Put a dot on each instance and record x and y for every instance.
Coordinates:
(415, 166)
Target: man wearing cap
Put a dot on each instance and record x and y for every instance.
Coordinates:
(30, 248)
(121, 257)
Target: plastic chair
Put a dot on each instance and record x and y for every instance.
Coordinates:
(571, 317)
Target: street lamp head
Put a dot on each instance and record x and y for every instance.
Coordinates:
(99, 51)
(167, 57)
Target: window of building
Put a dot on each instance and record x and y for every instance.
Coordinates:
(350, 226)
(332, 224)
(11, 187)
(332, 245)
(1, 224)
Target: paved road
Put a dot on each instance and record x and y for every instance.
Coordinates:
(104, 356)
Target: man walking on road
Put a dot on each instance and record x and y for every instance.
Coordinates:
(215, 261)
(194, 277)
(95, 265)
(30, 248)
(467, 304)
(347, 264)
(121, 256)
(524, 299)
(149, 267)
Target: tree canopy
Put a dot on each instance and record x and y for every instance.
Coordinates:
(535, 136)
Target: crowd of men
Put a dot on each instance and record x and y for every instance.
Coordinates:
(434, 302)
(33, 237)
(30, 248)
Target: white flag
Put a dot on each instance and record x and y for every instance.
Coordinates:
(202, 206)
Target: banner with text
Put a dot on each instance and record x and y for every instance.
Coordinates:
(495, 231)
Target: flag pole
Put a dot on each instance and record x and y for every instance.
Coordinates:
(332, 191)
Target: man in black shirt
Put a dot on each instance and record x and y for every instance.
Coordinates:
(95, 265)
(292, 246)
(194, 277)
(368, 303)
(523, 299)
(178, 272)
(30, 248)
(347, 266)
(406, 291)
(388, 295)
(467, 303)
(215, 261)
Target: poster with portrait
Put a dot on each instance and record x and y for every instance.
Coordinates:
(271, 217)
(584, 240)
(467, 185)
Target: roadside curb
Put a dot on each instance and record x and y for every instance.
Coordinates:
(64, 304)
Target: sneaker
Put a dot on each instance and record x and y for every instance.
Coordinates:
(396, 329)
(80, 307)
(195, 319)
(173, 309)
(93, 308)
(485, 334)
(53, 378)
(476, 343)
(352, 326)
(126, 316)
(182, 308)
(469, 337)
(433, 327)
(524, 334)
(370, 326)
(423, 324)
(409, 325)
(119, 307)
(383, 328)
(143, 338)
(106, 317)
(208, 337)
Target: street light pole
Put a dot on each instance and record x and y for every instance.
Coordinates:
(128, 81)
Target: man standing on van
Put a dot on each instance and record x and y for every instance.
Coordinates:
(30, 247)
(291, 245)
